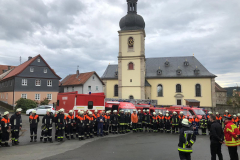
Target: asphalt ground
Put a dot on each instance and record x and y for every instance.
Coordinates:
(141, 146)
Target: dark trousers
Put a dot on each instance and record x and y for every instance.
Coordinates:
(128, 127)
(95, 128)
(155, 127)
(134, 127)
(204, 130)
(5, 137)
(100, 127)
(185, 156)
(48, 135)
(121, 128)
(147, 126)
(106, 127)
(174, 128)
(56, 131)
(233, 153)
(168, 127)
(61, 129)
(15, 135)
(161, 127)
(33, 132)
(80, 132)
(69, 131)
(114, 128)
(216, 150)
(139, 126)
(90, 131)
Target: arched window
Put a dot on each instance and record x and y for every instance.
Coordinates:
(116, 90)
(160, 90)
(130, 66)
(178, 88)
(131, 97)
(198, 90)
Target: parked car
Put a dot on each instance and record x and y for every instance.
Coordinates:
(41, 110)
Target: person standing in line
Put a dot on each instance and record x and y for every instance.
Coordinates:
(140, 119)
(134, 119)
(216, 138)
(161, 120)
(47, 122)
(16, 126)
(33, 120)
(100, 121)
(114, 122)
(203, 125)
(5, 125)
(232, 136)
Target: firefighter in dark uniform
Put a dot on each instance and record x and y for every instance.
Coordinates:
(61, 120)
(155, 122)
(95, 115)
(147, 119)
(6, 128)
(140, 119)
(114, 122)
(81, 124)
(180, 117)
(69, 125)
(110, 126)
(143, 122)
(219, 118)
(90, 125)
(167, 123)
(76, 118)
(47, 121)
(56, 127)
(16, 126)
(106, 123)
(0, 130)
(128, 121)
(161, 120)
(203, 125)
(209, 122)
(121, 120)
(186, 139)
(235, 119)
(175, 122)
(33, 120)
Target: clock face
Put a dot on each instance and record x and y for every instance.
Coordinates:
(130, 42)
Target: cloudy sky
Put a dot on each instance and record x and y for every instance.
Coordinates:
(68, 33)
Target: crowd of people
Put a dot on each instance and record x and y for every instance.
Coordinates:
(87, 124)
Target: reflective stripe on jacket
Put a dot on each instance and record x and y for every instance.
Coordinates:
(231, 133)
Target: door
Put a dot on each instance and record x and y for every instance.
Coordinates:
(179, 102)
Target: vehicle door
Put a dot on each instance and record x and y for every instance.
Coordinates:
(41, 110)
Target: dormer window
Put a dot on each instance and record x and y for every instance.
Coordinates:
(167, 63)
(116, 73)
(186, 63)
(179, 71)
(159, 72)
(196, 71)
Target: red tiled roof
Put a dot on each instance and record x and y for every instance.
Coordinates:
(17, 70)
(5, 67)
(218, 88)
(73, 79)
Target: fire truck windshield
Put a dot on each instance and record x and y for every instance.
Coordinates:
(199, 112)
(126, 110)
(186, 113)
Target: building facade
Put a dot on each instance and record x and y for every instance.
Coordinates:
(221, 94)
(169, 80)
(34, 79)
(82, 82)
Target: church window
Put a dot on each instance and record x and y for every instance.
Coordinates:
(130, 66)
(178, 88)
(198, 90)
(160, 90)
(131, 97)
(116, 90)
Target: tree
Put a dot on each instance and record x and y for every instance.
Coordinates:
(25, 104)
(45, 101)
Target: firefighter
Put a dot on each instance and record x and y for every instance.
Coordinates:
(106, 123)
(114, 122)
(90, 125)
(218, 118)
(195, 123)
(56, 127)
(80, 122)
(147, 119)
(128, 121)
(5, 128)
(238, 119)
(161, 120)
(167, 123)
(180, 117)
(143, 122)
(61, 121)
(203, 124)
(231, 134)
(209, 122)
(47, 122)
(100, 121)
(0, 131)
(186, 140)
(121, 120)
(95, 115)
(227, 114)
(175, 121)
(134, 120)
(69, 125)
(33, 120)
(16, 126)
(110, 125)
(140, 120)
(235, 119)
(155, 122)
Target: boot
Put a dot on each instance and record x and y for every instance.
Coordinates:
(72, 137)
(31, 140)
(16, 142)
(82, 138)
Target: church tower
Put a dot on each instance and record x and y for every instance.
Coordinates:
(131, 58)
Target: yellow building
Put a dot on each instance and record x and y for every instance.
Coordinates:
(169, 80)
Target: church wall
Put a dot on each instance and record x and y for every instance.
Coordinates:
(188, 90)
(109, 88)
(134, 91)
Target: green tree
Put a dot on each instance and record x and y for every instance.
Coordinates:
(45, 101)
(25, 104)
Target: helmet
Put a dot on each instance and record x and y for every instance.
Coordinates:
(19, 110)
(160, 112)
(33, 111)
(238, 114)
(154, 113)
(71, 111)
(61, 110)
(144, 110)
(167, 111)
(234, 115)
(181, 112)
(122, 110)
(133, 110)
(96, 111)
(85, 110)
(185, 121)
(89, 112)
(217, 113)
(209, 112)
(56, 112)
(115, 111)
(226, 110)
(167, 114)
(147, 110)
(139, 110)
(174, 112)
(5, 113)
(49, 110)
(129, 111)
(81, 112)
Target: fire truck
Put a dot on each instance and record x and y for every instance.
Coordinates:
(115, 105)
(75, 101)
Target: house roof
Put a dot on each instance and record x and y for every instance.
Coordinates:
(5, 73)
(17, 70)
(73, 79)
(218, 88)
(175, 63)
(5, 68)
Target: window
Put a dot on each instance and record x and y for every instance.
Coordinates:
(24, 82)
(49, 83)
(198, 90)
(116, 91)
(37, 96)
(72, 89)
(130, 66)
(38, 82)
(90, 104)
(130, 80)
(24, 96)
(89, 88)
(39, 60)
(93, 77)
(31, 69)
(96, 88)
(160, 90)
(131, 97)
(45, 70)
(6, 95)
(178, 88)
(130, 42)
(49, 96)
(179, 102)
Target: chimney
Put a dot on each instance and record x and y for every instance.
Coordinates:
(29, 57)
(77, 72)
(9, 67)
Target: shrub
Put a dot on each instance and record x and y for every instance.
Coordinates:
(45, 101)
(25, 104)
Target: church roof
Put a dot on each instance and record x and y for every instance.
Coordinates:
(175, 64)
